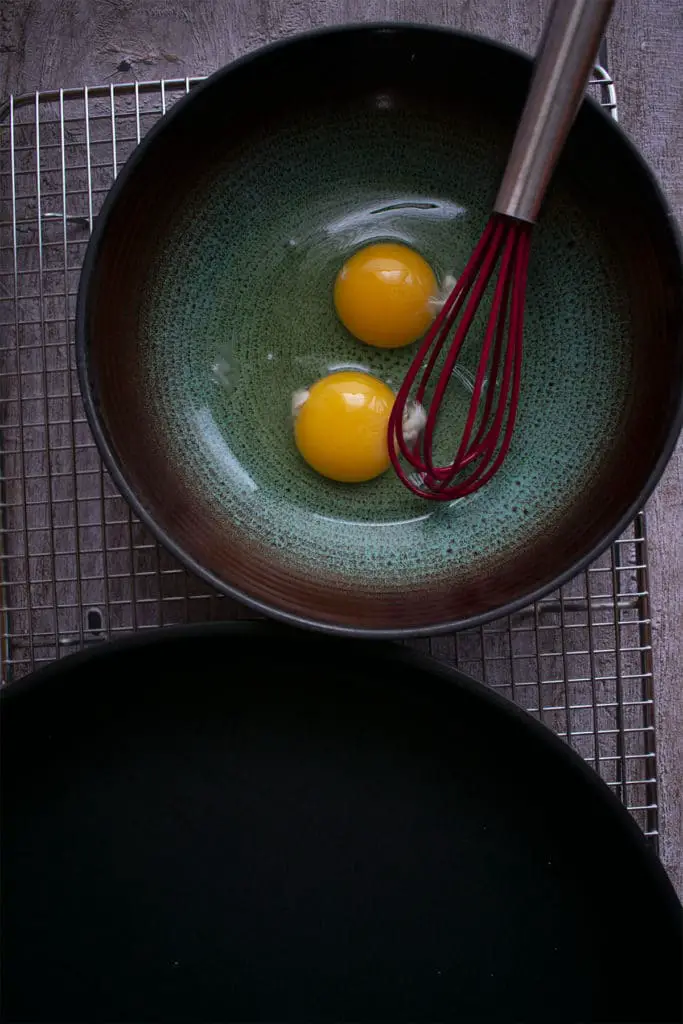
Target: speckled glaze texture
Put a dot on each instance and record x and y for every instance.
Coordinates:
(239, 315)
(232, 312)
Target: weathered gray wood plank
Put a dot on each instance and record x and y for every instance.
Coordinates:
(647, 56)
(44, 44)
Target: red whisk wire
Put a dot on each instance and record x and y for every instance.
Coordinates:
(497, 377)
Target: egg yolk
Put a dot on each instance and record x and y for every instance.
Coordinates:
(341, 426)
(382, 295)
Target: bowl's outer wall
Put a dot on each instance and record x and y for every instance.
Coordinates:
(609, 174)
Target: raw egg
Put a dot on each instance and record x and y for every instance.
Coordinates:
(384, 295)
(341, 423)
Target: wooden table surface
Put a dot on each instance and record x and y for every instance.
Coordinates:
(47, 44)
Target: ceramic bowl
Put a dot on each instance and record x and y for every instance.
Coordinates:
(206, 301)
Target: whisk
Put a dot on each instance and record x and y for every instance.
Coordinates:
(564, 61)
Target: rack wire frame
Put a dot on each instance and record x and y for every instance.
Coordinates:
(77, 567)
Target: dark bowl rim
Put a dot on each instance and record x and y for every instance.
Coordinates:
(440, 673)
(117, 471)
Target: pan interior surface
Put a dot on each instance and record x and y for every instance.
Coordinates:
(319, 831)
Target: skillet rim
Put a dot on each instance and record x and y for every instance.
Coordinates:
(440, 674)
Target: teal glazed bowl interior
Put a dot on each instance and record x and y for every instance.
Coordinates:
(206, 301)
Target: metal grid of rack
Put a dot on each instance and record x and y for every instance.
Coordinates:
(76, 567)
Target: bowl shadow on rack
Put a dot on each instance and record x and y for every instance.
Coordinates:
(77, 567)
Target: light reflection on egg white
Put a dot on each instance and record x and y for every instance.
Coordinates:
(353, 367)
(439, 209)
(369, 523)
(216, 444)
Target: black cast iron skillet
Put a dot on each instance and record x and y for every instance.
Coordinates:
(230, 823)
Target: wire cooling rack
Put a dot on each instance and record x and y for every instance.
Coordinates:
(77, 567)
